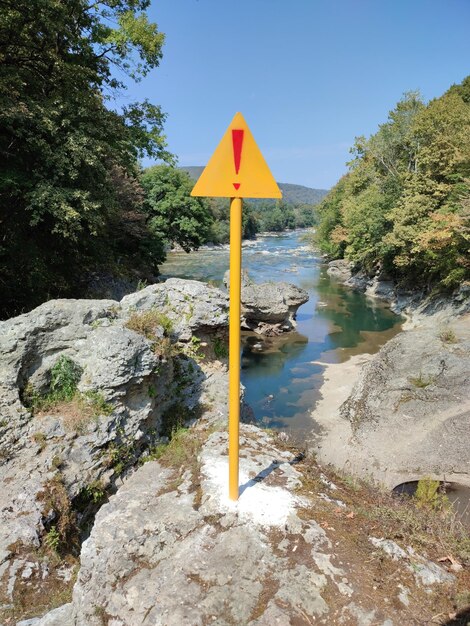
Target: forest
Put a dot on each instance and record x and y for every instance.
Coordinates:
(74, 200)
(403, 209)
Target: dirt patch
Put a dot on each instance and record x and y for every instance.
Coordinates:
(43, 582)
(377, 579)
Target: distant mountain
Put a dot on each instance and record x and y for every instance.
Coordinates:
(292, 194)
(298, 194)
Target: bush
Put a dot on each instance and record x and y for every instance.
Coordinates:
(220, 348)
(427, 494)
(61, 535)
(63, 397)
(64, 378)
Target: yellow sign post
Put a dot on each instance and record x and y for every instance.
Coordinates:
(236, 170)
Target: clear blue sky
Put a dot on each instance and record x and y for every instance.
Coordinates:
(308, 75)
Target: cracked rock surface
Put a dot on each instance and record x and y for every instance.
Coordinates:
(179, 553)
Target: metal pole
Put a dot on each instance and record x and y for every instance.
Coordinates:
(234, 343)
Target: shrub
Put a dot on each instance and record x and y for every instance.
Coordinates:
(64, 378)
(119, 456)
(220, 348)
(61, 536)
(92, 495)
(194, 348)
(52, 539)
(427, 494)
(63, 397)
(447, 335)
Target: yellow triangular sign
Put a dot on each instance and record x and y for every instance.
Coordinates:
(237, 168)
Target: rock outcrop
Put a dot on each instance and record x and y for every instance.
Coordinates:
(134, 384)
(170, 548)
(411, 302)
(192, 306)
(269, 308)
(340, 269)
(407, 415)
(166, 546)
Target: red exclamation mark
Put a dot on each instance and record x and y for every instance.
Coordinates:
(237, 142)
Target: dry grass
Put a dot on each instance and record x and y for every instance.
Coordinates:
(147, 323)
(62, 535)
(64, 399)
(182, 450)
(447, 335)
(36, 596)
(427, 524)
(371, 511)
(422, 381)
(79, 411)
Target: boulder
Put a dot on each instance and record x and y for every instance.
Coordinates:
(340, 269)
(410, 409)
(382, 289)
(192, 306)
(177, 557)
(269, 308)
(171, 549)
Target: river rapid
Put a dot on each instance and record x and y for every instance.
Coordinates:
(283, 376)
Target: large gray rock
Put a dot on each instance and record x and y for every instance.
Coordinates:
(137, 383)
(192, 306)
(171, 549)
(175, 557)
(340, 269)
(269, 308)
(410, 408)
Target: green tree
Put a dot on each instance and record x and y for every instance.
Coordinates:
(331, 235)
(173, 215)
(305, 216)
(250, 224)
(276, 218)
(403, 207)
(60, 140)
(430, 235)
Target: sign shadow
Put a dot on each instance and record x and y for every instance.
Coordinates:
(263, 474)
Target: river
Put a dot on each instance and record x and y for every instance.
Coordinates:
(282, 376)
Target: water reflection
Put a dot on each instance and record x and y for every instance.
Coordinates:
(350, 313)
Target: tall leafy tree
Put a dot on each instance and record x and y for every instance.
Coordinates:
(431, 226)
(61, 140)
(403, 207)
(173, 215)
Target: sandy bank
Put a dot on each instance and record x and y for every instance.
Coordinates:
(333, 445)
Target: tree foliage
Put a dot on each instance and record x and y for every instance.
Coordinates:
(403, 207)
(61, 143)
(260, 216)
(173, 215)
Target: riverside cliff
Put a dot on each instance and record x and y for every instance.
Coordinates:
(403, 413)
(104, 494)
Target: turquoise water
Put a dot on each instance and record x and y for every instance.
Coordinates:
(283, 375)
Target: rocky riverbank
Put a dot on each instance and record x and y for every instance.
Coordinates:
(103, 493)
(404, 413)
(88, 389)
(169, 548)
(414, 304)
